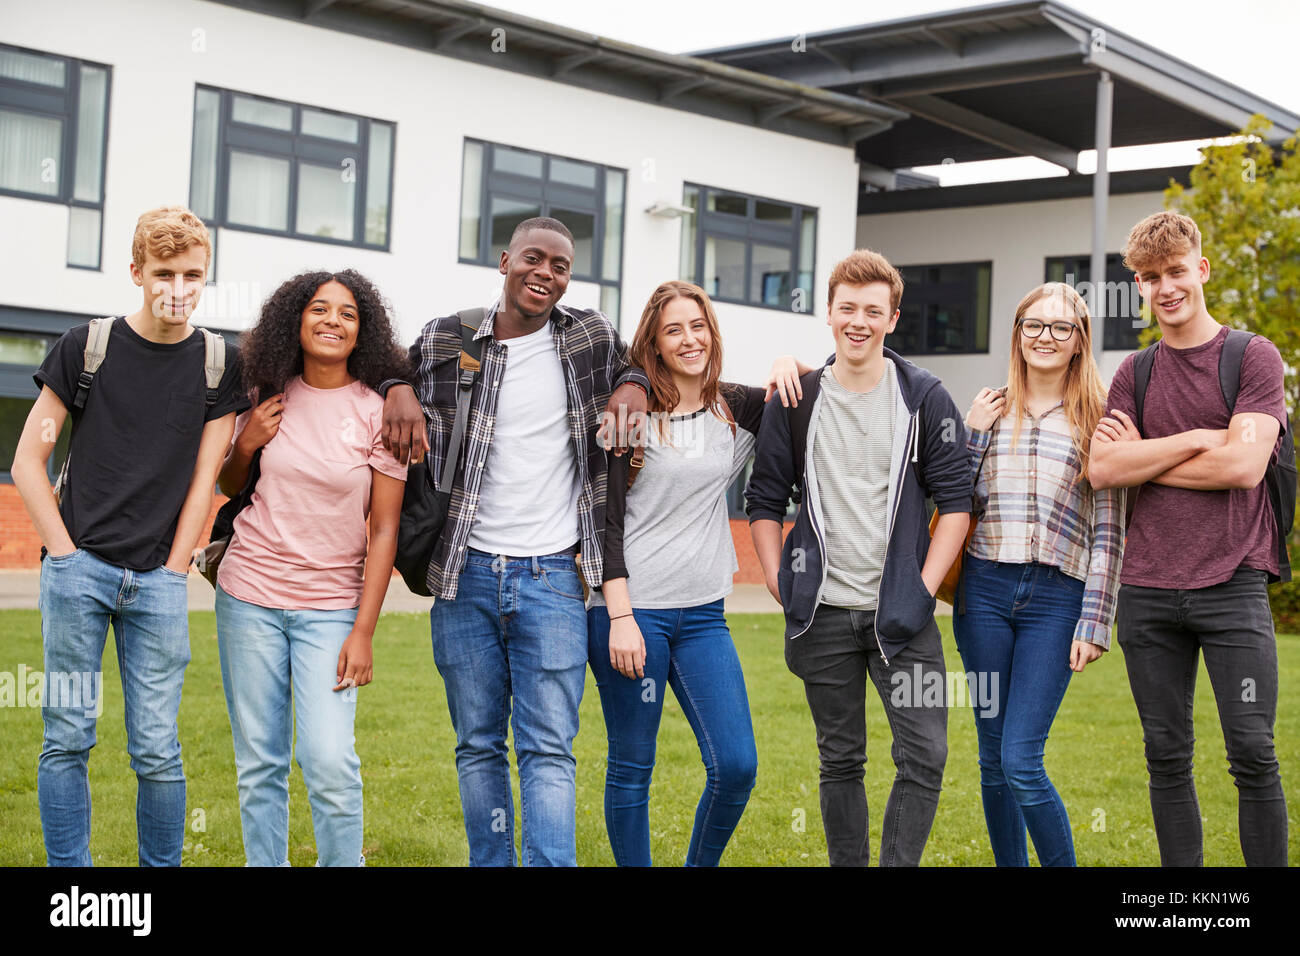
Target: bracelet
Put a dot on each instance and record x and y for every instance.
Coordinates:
(621, 616)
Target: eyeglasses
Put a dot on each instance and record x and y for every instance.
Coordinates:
(1061, 331)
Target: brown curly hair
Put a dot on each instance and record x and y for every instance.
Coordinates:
(272, 349)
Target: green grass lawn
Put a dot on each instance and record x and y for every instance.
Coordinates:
(405, 741)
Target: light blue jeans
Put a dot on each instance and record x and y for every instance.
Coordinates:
(80, 594)
(514, 639)
(279, 669)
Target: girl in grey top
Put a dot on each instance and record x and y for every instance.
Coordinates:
(657, 618)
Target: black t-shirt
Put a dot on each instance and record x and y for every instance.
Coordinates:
(135, 442)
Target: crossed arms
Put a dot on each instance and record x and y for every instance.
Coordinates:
(1203, 459)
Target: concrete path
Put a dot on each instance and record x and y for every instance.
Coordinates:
(19, 589)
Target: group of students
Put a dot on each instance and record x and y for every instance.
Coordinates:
(570, 542)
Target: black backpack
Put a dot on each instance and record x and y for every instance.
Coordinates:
(1280, 477)
(426, 500)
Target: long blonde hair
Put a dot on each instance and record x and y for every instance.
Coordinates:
(1084, 395)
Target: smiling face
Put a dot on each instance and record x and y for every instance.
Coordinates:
(536, 267)
(861, 317)
(1045, 353)
(172, 286)
(683, 340)
(330, 324)
(1175, 288)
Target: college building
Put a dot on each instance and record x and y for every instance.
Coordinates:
(405, 138)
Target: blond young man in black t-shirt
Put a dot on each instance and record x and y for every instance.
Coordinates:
(148, 436)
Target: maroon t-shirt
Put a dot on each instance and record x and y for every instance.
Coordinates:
(1180, 537)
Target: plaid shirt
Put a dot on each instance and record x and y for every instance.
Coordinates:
(594, 360)
(1035, 511)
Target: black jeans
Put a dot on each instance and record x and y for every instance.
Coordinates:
(834, 657)
(1162, 631)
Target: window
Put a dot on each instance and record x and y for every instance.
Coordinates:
(502, 185)
(1123, 320)
(748, 250)
(262, 165)
(53, 136)
(945, 309)
(26, 336)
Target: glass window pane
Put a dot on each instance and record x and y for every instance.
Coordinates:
(30, 147)
(83, 237)
(471, 200)
(257, 192)
(728, 203)
(983, 303)
(13, 416)
(773, 212)
(91, 113)
(203, 162)
(506, 214)
(19, 349)
(807, 256)
(508, 160)
(945, 327)
(327, 202)
(330, 126)
(575, 174)
(690, 221)
(379, 171)
(609, 303)
(724, 268)
(612, 254)
(906, 338)
(770, 275)
(32, 68)
(583, 227)
(262, 113)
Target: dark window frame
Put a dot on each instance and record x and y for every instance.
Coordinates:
(39, 100)
(293, 146)
(1117, 336)
(16, 380)
(548, 195)
(911, 295)
(751, 231)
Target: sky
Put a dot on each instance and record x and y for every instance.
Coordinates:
(1251, 43)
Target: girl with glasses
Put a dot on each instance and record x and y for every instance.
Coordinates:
(1041, 572)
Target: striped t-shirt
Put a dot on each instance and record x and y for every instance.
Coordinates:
(851, 454)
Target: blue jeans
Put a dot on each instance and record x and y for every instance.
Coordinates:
(1015, 638)
(80, 595)
(689, 649)
(279, 669)
(515, 637)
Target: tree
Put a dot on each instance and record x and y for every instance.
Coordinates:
(1245, 197)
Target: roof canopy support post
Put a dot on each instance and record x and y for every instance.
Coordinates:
(1100, 198)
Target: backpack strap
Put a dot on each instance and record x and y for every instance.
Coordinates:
(1142, 365)
(1230, 359)
(470, 364)
(214, 362)
(92, 357)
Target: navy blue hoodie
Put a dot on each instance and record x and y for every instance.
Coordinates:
(929, 459)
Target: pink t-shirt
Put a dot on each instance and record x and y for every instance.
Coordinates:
(301, 542)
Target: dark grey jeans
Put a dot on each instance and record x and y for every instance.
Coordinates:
(834, 658)
(1162, 632)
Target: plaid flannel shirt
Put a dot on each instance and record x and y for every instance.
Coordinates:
(1035, 511)
(594, 360)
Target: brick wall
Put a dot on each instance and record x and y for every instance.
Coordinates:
(20, 548)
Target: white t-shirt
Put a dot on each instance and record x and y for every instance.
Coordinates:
(528, 501)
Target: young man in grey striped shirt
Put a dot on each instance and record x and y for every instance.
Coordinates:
(872, 438)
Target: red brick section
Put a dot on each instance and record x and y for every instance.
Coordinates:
(20, 548)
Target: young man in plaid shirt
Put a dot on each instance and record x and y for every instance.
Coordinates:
(509, 623)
